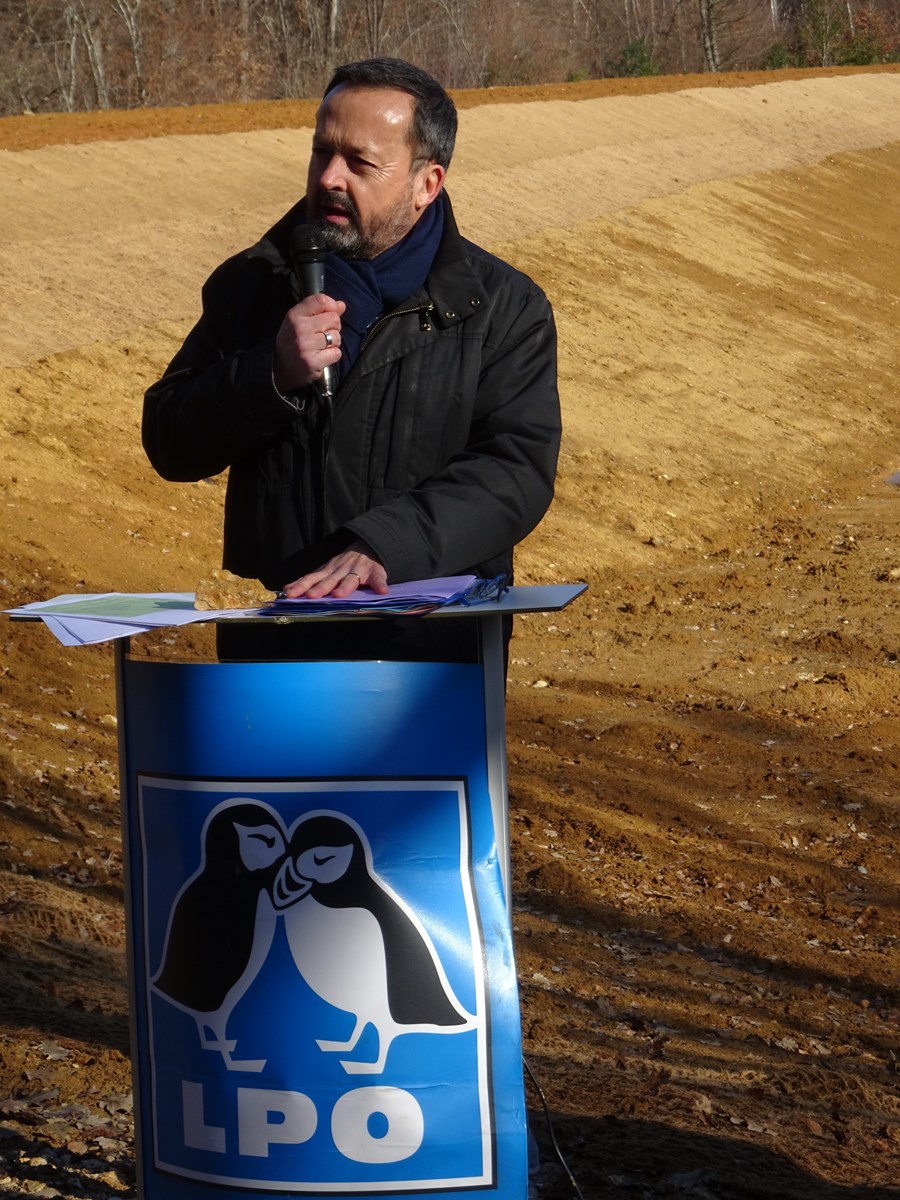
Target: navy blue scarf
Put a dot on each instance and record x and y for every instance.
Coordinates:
(370, 287)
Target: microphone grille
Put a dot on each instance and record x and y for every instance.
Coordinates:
(307, 245)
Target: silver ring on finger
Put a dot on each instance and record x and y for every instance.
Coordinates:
(355, 576)
(329, 340)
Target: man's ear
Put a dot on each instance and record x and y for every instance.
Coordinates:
(430, 182)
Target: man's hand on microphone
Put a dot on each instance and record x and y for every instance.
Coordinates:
(308, 341)
(340, 576)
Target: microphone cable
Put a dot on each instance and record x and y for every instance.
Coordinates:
(549, 1120)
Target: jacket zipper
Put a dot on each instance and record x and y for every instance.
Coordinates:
(425, 327)
(424, 324)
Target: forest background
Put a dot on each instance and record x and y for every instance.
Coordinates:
(83, 55)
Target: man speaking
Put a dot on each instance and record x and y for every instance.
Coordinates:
(433, 449)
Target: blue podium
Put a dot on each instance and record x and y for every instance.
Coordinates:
(323, 991)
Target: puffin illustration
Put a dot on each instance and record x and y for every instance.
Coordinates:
(357, 945)
(222, 922)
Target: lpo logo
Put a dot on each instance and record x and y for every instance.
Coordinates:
(314, 985)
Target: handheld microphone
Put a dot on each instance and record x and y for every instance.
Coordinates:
(307, 251)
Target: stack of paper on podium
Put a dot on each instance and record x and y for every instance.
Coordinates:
(420, 596)
(83, 619)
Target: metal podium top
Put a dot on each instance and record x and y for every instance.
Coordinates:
(519, 599)
(88, 619)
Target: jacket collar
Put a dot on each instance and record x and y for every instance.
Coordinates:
(452, 286)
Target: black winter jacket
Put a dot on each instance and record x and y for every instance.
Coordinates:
(441, 448)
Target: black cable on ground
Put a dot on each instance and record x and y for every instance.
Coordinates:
(547, 1117)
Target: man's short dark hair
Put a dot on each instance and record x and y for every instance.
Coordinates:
(433, 132)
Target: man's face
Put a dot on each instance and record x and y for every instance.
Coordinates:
(361, 186)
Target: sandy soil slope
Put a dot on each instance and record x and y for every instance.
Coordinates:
(703, 750)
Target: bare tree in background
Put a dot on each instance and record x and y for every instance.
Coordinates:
(823, 25)
(374, 25)
(589, 26)
(745, 33)
(130, 12)
(456, 32)
(66, 55)
(90, 23)
(59, 52)
(709, 13)
(282, 28)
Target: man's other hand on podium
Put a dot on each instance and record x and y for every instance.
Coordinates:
(342, 575)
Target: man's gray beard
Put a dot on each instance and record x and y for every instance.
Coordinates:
(348, 241)
(344, 240)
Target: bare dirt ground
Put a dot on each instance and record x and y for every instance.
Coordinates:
(703, 750)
